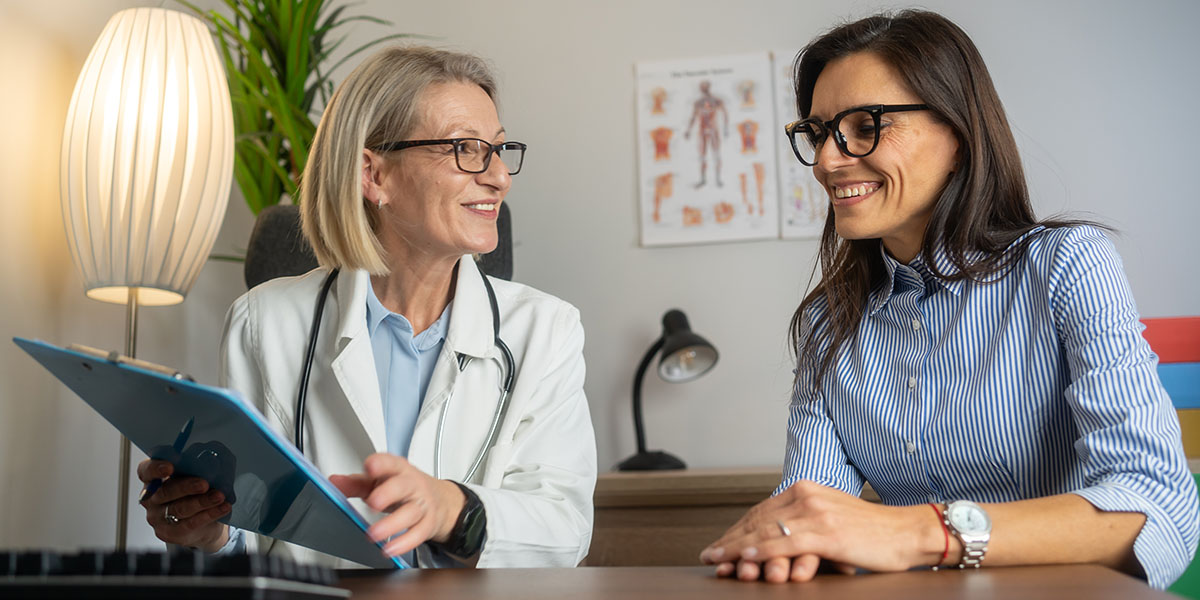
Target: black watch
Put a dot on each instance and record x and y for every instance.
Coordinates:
(466, 539)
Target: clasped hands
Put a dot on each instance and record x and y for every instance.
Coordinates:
(420, 508)
(824, 523)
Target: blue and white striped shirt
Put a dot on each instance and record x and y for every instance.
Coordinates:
(1035, 384)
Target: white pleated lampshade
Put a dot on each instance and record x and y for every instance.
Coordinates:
(147, 157)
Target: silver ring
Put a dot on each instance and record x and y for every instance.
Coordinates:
(783, 528)
(174, 520)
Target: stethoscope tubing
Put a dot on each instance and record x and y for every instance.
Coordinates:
(508, 372)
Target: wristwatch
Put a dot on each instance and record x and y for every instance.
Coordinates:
(972, 526)
(466, 539)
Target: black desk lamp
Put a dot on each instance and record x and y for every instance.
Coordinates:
(685, 356)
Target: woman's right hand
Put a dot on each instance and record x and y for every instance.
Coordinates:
(184, 510)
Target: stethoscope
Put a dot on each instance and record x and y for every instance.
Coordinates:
(507, 374)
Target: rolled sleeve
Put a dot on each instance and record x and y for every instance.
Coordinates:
(1160, 548)
(1129, 442)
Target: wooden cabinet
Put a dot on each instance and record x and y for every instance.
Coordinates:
(667, 517)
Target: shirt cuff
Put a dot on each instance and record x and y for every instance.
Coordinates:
(1159, 548)
(235, 545)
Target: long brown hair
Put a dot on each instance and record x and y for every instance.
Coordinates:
(985, 205)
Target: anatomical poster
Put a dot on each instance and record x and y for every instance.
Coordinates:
(706, 150)
(802, 201)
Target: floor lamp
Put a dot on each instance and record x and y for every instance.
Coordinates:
(147, 161)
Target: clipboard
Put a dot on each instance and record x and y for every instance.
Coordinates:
(211, 432)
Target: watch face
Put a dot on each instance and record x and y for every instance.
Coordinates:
(968, 518)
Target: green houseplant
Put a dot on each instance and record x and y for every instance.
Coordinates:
(277, 56)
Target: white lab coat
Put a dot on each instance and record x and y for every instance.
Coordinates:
(536, 482)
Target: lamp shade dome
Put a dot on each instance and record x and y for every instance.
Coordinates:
(685, 355)
(147, 157)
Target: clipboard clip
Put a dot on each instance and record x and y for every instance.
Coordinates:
(117, 358)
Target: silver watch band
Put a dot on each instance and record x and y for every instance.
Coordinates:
(973, 553)
(974, 545)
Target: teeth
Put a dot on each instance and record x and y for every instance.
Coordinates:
(483, 206)
(851, 192)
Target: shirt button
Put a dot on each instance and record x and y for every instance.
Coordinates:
(912, 383)
(916, 324)
(910, 447)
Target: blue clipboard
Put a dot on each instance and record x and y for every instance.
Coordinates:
(211, 432)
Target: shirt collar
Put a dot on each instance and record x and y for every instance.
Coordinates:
(469, 332)
(377, 314)
(916, 273)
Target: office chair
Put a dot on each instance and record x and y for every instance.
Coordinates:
(277, 248)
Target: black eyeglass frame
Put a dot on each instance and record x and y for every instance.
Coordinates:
(493, 149)
(876, 111)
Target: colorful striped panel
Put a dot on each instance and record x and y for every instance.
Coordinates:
(1175, 339)
(1189, 425)
(1182, 381)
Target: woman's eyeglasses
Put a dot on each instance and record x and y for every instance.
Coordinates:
(472, 155)
(855, 131)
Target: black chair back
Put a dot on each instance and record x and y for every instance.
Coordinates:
(277, 248)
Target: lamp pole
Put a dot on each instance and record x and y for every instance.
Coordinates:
(131, 309)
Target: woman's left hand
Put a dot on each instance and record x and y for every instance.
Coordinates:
(422, 508)
(824, 523)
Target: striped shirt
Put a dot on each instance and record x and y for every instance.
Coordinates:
(1033, 384)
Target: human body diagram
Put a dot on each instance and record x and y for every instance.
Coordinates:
(705, 111)
(707, 169)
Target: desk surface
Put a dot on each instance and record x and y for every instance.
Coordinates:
(585, 583)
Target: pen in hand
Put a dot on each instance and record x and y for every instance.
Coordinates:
(180, 441)
(150, 489)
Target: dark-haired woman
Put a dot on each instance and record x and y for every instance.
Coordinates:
(984, 371)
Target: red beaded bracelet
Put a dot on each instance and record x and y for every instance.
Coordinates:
(945, 532)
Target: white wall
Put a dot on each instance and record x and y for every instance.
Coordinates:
(1100, 94)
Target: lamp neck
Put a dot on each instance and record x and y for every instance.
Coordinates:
(638, 428)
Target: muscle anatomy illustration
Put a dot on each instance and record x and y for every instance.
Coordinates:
(760, 179)
(657, 97)
(704, 113)
(746, 89)
(748, 129)
(663, 188)
(661, 137)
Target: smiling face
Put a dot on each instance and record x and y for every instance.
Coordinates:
(890, 193)
(431, 209)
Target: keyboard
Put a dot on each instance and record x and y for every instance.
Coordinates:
(177, 575)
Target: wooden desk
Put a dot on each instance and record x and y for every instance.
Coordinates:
(586, 583)
(665, 518)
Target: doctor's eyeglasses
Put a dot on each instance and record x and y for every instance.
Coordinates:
(472, 155)
(855, 131)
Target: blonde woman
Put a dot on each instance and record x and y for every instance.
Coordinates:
(450, 403)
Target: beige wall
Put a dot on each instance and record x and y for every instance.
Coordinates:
(46, 437)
